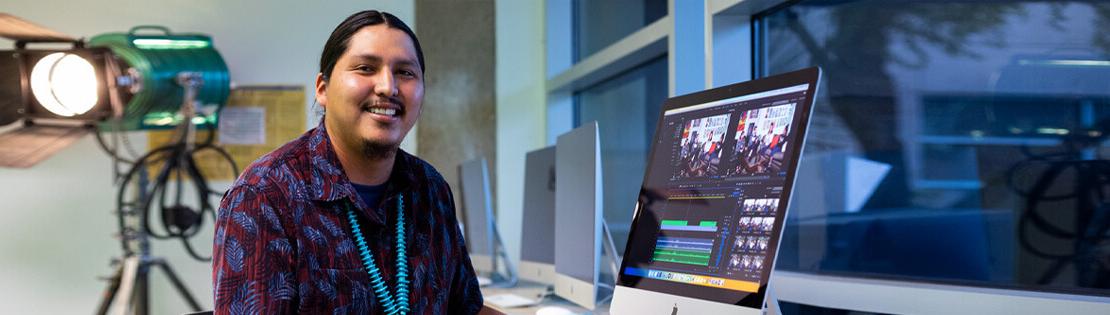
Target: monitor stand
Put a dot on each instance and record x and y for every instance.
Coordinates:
(771, 301)
(609, 250)
(509, 277)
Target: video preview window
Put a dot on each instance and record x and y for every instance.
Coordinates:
(701, 146)
(761, 140)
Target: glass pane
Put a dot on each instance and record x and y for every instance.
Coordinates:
(626, 109)
(952, 141)
(600, 23)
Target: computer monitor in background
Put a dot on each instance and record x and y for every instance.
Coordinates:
(578, 216)
(537, 251)
(480, 230)
(710, 213)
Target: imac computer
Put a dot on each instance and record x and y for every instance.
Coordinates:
(578, 217)
(537, 251)
(480, 230)
(709, 218)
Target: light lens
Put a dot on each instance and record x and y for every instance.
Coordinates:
(65, 84)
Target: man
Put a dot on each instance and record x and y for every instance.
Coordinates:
(340, 220)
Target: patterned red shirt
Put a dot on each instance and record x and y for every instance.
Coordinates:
(284, 245)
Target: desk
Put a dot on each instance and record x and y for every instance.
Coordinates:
(530, 290)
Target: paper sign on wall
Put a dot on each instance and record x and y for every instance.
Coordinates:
(255, 121)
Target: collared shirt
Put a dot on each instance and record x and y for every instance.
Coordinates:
(284, 245)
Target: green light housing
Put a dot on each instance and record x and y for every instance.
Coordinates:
(150, 59)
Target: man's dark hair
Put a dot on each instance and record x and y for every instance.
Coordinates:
(341, 36)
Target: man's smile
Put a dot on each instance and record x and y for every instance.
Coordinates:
(385, 111)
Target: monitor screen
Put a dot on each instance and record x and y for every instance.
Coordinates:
(714, 196)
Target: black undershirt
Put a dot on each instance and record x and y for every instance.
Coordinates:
(371, 195)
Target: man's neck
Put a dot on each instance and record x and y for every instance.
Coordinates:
(361, 169)
(366, 171)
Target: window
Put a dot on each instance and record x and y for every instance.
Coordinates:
(598, 24)
(626, 108)
(971, 133)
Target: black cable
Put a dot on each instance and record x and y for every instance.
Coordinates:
(114, 152)
(159, 190)
(121, 205)
(178, 221)
(1091, 178)
(225, 154)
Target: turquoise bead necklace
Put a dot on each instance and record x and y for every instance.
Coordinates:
(400, 305)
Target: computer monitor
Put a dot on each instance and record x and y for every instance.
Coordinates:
(578, 215)
(480, 230)
(709, 218)
(537, 251)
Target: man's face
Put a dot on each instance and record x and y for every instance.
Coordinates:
(375, 91)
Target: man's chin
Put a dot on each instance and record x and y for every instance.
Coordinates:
(377, 149)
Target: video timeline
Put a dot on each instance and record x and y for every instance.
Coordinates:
(683, 250)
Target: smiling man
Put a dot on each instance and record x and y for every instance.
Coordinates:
(340, 220)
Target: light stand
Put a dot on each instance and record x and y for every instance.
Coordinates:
(129, 286)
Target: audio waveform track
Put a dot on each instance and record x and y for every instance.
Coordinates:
(683, 250)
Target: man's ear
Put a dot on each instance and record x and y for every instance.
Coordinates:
(321, 90)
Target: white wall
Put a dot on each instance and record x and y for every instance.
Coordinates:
(57, 225)
(521, 107)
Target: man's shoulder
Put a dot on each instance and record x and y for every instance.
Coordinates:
(423, 170)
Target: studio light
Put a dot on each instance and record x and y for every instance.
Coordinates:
(65, 84)
(54, 89)
(60, 88)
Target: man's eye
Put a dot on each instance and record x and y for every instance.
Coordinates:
(364, 68)
(407, 73)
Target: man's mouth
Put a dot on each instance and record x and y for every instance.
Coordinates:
(390, 110)
(383, 111)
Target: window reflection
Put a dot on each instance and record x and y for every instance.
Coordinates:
(952, 141)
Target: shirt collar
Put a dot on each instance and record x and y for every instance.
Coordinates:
(329, 182)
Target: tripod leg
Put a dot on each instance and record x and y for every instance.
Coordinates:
(110, 292)
(181, 289)
(123, 287)
(142, 290)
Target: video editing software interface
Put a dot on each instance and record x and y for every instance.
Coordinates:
(713, 192)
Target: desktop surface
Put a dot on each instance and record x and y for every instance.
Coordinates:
(531, 290)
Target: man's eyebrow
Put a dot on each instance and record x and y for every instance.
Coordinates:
(408, 62)
(377, 59)
(370, 58)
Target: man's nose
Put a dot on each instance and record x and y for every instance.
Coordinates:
(386, 85)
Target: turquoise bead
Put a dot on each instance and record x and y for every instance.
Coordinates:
(400, 305)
